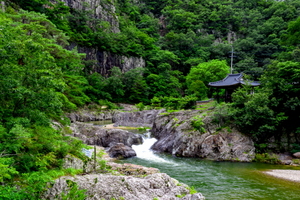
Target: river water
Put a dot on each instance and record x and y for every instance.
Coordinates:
(219, 180)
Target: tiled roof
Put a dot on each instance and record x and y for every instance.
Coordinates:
(231, 80)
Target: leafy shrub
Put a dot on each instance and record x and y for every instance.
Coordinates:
(140, 106)
(222, 114)
(108, 104)
(267, 158)
(198, 124)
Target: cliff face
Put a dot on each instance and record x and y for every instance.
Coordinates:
(103, 61)
(97, 9)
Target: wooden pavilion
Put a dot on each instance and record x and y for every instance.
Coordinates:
(231, 82)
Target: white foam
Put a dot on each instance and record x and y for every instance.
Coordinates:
(144, 151)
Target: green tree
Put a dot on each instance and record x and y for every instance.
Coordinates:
(271, 111)
(293, 33)
(206, 72)
(115, 86)
(31, 93)
(135, 86)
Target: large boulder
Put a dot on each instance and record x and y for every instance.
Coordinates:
(177, 136)
(105, 186)
(119, 150)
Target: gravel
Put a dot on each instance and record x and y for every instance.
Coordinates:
(291, 175)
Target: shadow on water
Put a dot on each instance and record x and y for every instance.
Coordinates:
(220, 180)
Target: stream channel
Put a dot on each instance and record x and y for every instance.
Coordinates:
(219, 180)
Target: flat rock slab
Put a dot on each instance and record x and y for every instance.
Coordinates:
(291, 175)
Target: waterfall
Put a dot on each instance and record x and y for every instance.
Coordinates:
(143, 151)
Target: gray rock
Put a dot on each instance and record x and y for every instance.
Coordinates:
(136, 119)
(87, 116)
(297, 154)
(286, 162)
(132, 169)
(119, 150)
(105, 61)
(103, 186)
(94, 135)
(176, 136)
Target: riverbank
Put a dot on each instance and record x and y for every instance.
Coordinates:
(290, 175)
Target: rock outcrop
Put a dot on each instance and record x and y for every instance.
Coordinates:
(87, 116)
(105, 186)
(102, 61)
(97, 9)
(136, 119)
(177, 136)
(93, 135)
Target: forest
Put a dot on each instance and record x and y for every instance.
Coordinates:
(185, 44)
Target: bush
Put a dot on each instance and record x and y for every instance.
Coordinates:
(198, 124)
(140, 106)
(108, 104)
(267, 158)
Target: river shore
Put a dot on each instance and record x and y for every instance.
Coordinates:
(291, 175)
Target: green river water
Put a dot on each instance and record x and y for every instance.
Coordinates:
(220, 180)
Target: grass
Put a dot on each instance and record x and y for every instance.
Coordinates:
(205, 106)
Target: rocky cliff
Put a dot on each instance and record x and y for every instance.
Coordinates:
(102, 61)
(98, 9)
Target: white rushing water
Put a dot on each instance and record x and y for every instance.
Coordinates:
(143, 151)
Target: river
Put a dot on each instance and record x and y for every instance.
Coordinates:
(219, 180)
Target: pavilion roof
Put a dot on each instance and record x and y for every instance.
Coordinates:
(233, 80)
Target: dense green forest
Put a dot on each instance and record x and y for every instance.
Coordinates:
(186, 44)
